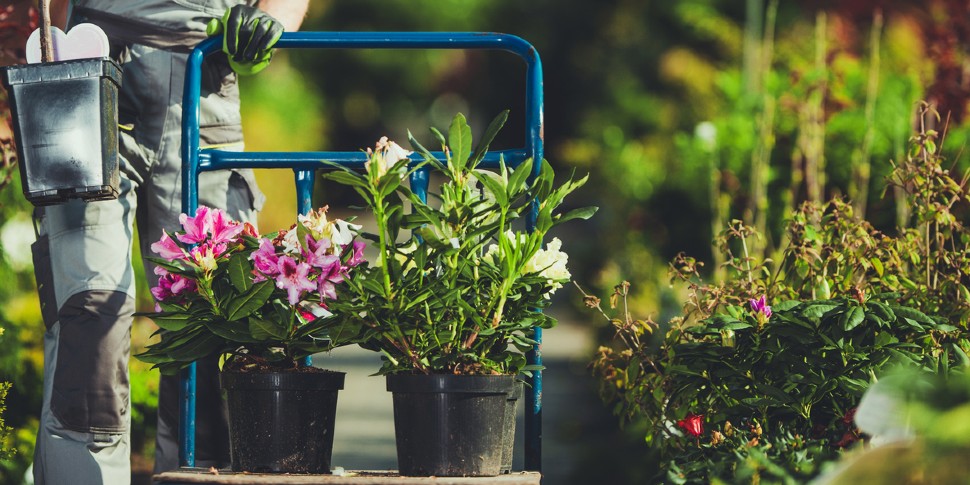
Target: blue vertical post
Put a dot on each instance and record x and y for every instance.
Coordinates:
(419, 182)
(534, 149)
(304, 203)
(190, 201)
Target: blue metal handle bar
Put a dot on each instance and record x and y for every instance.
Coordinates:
(219, 159)
(195, 160)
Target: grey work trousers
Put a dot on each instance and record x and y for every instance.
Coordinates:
(83, 264)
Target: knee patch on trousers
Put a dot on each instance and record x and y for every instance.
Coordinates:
(91, 377)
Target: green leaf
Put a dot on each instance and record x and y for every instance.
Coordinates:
(520, 176)
(388, 185)
(882, 310)
(911, 313)
(852, 318)
(240, 272)
(202, 346)
(172, 321)
(438, 136)
(494, 184)
(877, 266)
(961, 356)
(244, 305)
(584, 213)
(265, 329)
(460, 142)
(231, 331)
(785, 305)
(346, 177)
(818, 310)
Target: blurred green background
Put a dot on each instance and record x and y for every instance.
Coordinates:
(686, 114)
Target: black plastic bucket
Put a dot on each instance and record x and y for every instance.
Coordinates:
(66, 126)
(508, 441)
(448, 425)
(282, 422)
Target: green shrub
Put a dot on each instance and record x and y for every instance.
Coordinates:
(6, 451)
(848, 302)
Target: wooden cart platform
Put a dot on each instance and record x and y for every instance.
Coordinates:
(212, 477)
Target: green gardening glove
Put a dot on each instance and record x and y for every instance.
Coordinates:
(250, 34)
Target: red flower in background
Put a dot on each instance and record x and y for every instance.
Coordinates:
(693, 424)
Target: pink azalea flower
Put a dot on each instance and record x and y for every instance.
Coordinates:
(168, 249)
(328, 279)
(196, 228)
(293, 278)
(761, 306)
(357, 256)
(181, 285)
(265, 261)
(316, 253)
(162, 291)
(223, 228)
(217, 249)
(171, 286)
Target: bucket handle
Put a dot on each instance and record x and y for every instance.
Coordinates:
(46, 44)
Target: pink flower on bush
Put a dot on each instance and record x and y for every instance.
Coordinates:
(197, 228)
(167, 248)
(293, 277)
(326, 283)
(223, 228)
(357, 256)
(170, 286)
(265, 261)
(760, 306)
(317, 253)
(308, 269)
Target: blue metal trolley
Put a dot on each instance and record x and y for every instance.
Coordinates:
(304, 165)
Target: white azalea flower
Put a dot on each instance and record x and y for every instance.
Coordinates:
(338, 231)
(550, 263)
(291, 242)
(342, 232)
(388, 155)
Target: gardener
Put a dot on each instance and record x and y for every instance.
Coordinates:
(83, 252)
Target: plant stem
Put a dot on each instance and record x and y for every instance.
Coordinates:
(382, 235)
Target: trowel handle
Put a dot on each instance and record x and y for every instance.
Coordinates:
(46, 45)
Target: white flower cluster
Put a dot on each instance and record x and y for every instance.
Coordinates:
(549, 263)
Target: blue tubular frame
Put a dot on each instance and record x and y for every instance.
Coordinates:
(304, 164)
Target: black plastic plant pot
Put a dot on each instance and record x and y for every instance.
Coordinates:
(282, 422)
(508, 443)
(65, 120)
(449, 425)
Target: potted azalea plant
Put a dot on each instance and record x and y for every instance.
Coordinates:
(451, 298)
(261, 303)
